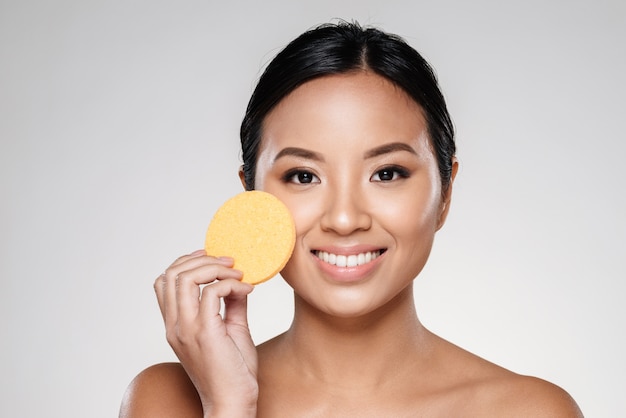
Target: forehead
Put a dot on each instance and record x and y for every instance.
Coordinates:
(342, 108)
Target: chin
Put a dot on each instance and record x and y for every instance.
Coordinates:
(350, 303)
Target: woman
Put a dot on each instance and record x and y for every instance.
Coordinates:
(348, 127)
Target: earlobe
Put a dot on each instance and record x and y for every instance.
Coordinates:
(242, 177)
(447, 196)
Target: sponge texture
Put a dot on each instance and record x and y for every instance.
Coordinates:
(257, 230)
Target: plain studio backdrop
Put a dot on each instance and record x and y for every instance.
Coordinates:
(119, 128)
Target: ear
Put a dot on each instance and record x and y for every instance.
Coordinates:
(242, 177)
(447, 196)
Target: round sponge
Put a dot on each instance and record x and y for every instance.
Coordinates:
(257, 231)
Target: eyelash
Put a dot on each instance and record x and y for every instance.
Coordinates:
(396, 173)
(292, 175)
(299, 176)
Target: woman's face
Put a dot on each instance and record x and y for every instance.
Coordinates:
(350, 157)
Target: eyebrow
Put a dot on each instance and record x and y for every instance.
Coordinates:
(299, 152)
(389, 148)
(374, 152)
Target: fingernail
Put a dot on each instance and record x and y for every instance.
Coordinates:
(228, 259)
(198, 252)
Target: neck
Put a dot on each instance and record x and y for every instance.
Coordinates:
(364, 351)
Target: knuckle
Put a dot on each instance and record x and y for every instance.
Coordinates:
(210, 290)
(184, 341)
(182, 278)
(169, 272)
(159, 281)
(171, 336)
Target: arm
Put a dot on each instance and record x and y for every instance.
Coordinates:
(217, 355)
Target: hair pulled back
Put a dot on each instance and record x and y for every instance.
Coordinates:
(341, 48)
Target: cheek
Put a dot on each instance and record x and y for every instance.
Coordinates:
(413, 225)
(305, 212)
(304, 207)
(411, 230)
(410, 212)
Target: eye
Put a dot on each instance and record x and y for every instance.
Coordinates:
(300, 177)
(390, 174)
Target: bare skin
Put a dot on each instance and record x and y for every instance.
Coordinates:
(350, 156)
(456, 384)
(422, 376)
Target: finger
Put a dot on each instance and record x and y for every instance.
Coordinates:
(168, 289)
(211, 295)
(188, 287)
(160, 294)
(171, 277)
(191, 262)
(236, 309)
(163, 282)
(182, 259)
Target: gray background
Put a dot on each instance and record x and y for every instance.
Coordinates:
(119, 139)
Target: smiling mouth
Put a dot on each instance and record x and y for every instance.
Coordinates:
(352, 260)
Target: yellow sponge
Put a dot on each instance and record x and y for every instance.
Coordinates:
(257, 230)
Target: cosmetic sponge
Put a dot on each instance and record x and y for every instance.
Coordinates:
(257, 230)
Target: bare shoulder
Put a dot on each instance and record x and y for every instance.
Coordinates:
(161, 391)
(525, 396)
(487, 389)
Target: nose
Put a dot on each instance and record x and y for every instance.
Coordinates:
(347, 211)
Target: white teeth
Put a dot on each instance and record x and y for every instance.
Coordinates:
(349, 260)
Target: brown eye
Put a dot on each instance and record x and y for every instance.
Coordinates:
(301, 177)
(386, 175)
(390, 174)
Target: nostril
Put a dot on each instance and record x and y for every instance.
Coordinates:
(345, 220)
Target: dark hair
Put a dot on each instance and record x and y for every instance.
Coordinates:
(341, 48)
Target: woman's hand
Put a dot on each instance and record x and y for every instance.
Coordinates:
(217, 353)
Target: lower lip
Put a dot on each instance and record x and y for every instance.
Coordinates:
(348, 274)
